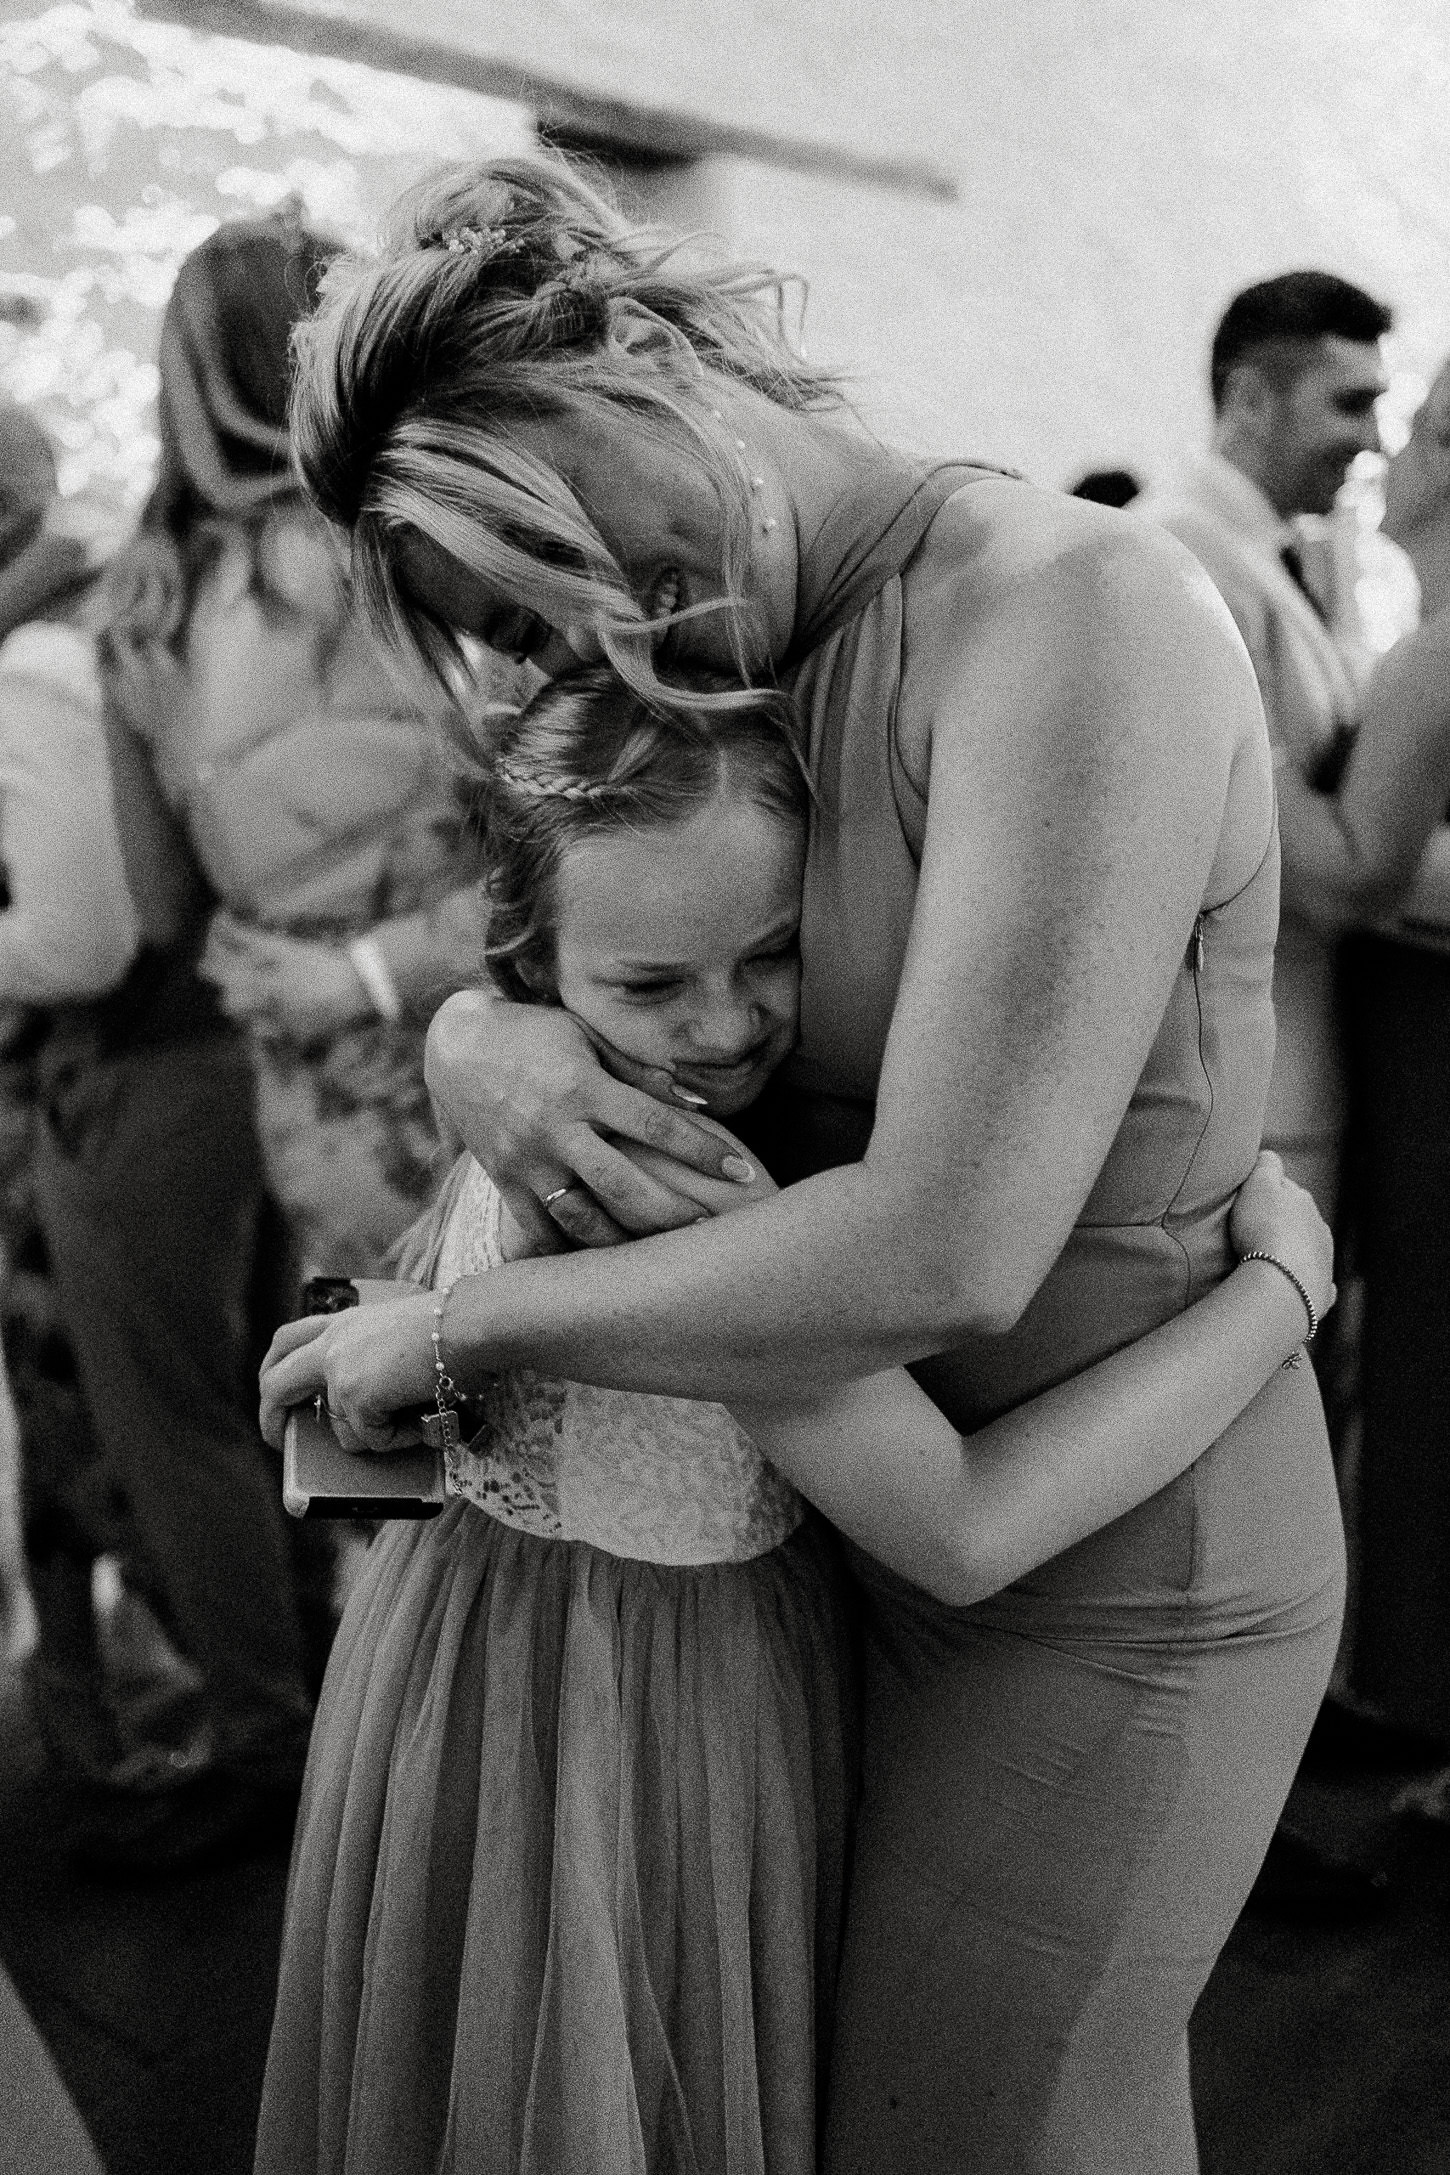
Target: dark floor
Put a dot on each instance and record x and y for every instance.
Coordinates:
(155, 2002)
(1315, 2052)
(1327, 2052)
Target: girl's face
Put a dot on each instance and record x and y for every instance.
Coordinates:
(658, 515)
(679, 945)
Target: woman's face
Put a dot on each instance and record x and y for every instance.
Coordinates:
(1417, 478)
(659, 517)
(679, 945)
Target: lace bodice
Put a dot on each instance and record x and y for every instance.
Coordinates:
(659, 1479)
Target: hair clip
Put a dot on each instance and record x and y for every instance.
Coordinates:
(481, 241)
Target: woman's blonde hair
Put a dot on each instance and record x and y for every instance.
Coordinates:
(491, 303)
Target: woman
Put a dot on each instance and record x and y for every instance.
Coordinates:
(1379, 851)
(324, 820)
(1035, 1036)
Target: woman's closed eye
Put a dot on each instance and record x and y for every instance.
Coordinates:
(517, 634)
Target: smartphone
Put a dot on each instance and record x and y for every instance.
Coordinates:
(322, 1480)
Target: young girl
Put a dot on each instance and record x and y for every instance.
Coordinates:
(567, 1883)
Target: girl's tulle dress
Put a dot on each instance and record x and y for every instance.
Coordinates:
(566, 1888)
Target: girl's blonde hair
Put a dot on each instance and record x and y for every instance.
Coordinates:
(490, 303)
(589, 755)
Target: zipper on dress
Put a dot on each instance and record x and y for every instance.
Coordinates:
(1194, 959)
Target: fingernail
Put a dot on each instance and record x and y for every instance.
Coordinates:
(736, 1167)
(693, 1102)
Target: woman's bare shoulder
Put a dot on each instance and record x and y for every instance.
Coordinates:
(1000, 540)
(1042, 631)
(1022, 586)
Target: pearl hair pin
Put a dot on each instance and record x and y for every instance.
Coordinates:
(757, 483)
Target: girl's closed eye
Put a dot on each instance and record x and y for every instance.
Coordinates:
(654, 990)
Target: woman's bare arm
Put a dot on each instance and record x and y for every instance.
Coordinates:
(1380, 842)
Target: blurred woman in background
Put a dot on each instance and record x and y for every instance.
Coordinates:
(324, 819)
(258, 762)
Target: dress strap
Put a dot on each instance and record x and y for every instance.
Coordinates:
(867, 537)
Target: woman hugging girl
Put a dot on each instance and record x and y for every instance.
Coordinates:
(569, 1878)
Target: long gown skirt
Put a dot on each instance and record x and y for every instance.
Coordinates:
(1068, 1791)
(566, 1889)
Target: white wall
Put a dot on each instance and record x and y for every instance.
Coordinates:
(1125, 166)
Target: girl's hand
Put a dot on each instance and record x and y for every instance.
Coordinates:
(1272, 1215)
(711, 1196)
(372, 1365)
(528, 1093)
(281, 984)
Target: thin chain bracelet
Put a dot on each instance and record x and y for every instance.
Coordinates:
(445, 1390)
(1259, 1253)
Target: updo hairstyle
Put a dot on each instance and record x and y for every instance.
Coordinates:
(490, 303)
(225, 472)
(588, 756)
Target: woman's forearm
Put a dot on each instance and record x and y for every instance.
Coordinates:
(1349, 860)
(963, 1516)
(1334, 876)
(830, 1280)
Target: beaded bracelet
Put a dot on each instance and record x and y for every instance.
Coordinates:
(1259, 1254)
(445, 1390)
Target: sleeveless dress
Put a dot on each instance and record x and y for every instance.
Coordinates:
(322, 805)
(1067, 1789)
(566, 1889)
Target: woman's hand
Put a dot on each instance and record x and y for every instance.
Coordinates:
(282, 985)
(1273, 1215)
(372, 1366)
(530, 1095)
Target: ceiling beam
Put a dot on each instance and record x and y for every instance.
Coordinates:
(630, 128)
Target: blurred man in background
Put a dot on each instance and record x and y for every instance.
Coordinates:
(1295, 374)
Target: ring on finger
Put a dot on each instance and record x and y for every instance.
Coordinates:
(558, 1194)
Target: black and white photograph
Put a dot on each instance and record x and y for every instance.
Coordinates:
(724, 1087)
